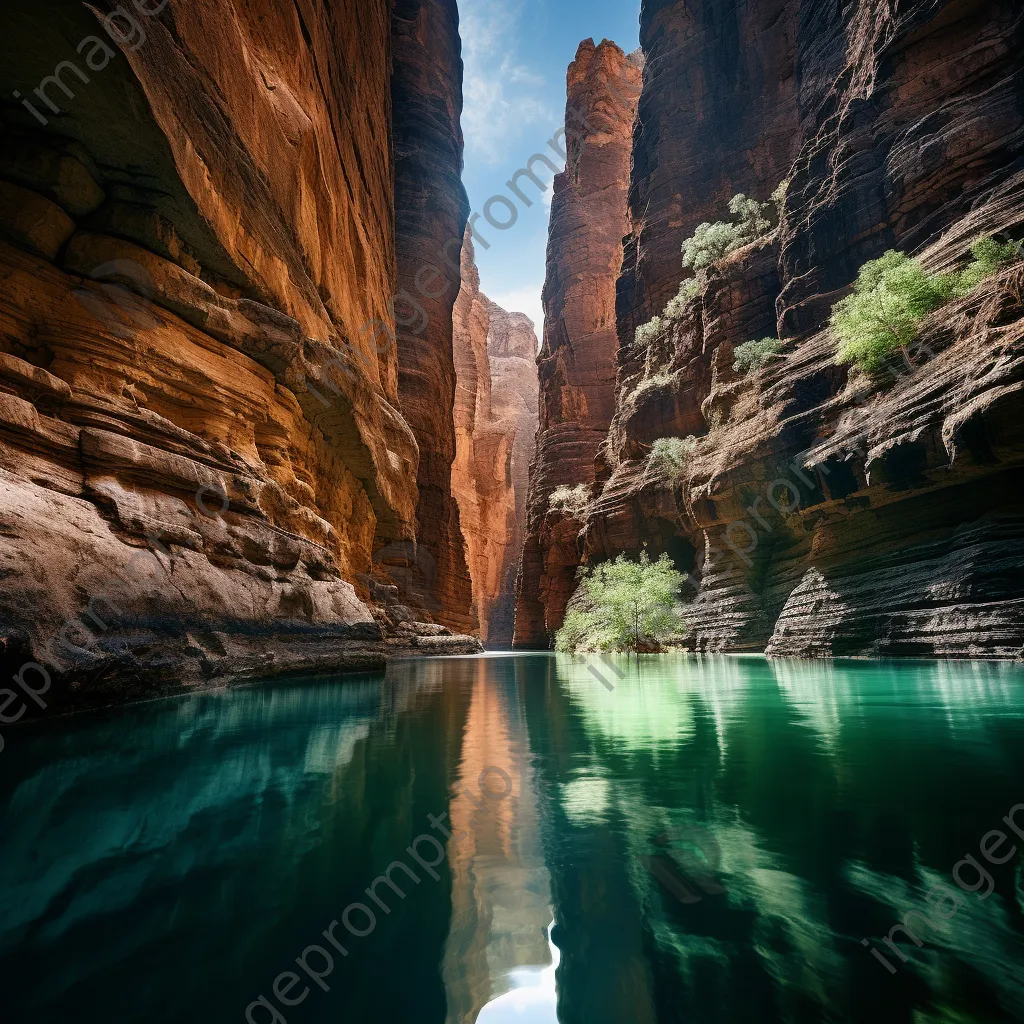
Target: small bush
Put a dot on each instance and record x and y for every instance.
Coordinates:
(669, 456)
(688, 291)
(989, 257)
(656, 380)
(646, 333)
(752, 355)
(894, 294)
(778, 197)
(624, 606)
(572, 501)
(711, 242)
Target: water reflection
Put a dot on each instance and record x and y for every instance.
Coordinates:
(830, 796)
(713, 840)
(501, 899)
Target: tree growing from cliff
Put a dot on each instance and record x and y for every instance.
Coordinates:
(624, 606)
(668, 458)
(894, 294)
(752, 355)
(572, 501)
(712, 242)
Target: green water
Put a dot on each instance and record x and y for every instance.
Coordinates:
(712, 839)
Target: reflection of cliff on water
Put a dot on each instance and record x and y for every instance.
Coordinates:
(826, 791)
(233, 826)
(500, 890)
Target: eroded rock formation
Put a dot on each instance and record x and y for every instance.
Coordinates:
(430, 218)
(577, 360)
(201, 441)
(495, 426)
(823, 511)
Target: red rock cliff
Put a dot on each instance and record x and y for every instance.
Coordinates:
(201, 445)
(823, 511)
(577, 360)
(495, 426)
(430, 218)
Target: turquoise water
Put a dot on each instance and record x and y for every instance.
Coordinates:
(712, 839)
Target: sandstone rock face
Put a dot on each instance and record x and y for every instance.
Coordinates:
(822, 511)
(577, 360)
(431, 212)
(201, 445)
(495, 426)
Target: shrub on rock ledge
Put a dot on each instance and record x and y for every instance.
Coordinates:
(752, 355)
(624, 606)
(712, 242)
(668, 458)
(894, 294)
(573, 501)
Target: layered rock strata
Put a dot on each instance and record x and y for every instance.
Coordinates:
(495, 426)
(201, 445)
(822, 511)
(577, 360)
(431, 209)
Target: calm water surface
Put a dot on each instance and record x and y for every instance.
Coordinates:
(709, 841)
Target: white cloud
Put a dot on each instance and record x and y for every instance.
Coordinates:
(498, 91)
(523, 300)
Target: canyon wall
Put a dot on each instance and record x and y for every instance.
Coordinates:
(431, 209)
(577, 359)
(822, 510)
(495, 427)
(202, 444)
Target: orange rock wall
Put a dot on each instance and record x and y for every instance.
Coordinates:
(431, 212)
(495, 426)
(200, 271)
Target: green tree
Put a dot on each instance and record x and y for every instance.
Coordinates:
(882, 316)
(752, 355)
(624, 606)
(894, 294)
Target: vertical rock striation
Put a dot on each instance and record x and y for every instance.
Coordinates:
(201, 445)
(495, 427)
(431, 209)
(821, 510)
(577, 360)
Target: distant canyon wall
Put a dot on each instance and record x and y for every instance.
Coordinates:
(224, 435)
(577, 360)
(495, 427)
(822, 511)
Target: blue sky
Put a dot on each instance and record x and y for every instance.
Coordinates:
(516, 53)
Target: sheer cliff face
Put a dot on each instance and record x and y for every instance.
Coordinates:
(431, 212)
(495, 428)
(200, 437)
(823, 511)
(577, 360)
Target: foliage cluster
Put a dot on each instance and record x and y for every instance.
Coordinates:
(752, 355)
(572, 501)
(688, 291)
(894, 294)
(646, 333)
(711, 242)
(624, 606)
(668, 457)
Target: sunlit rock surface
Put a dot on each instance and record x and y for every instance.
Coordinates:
(823, 512)
(577, 359)
(495, 426)
(201, 444)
